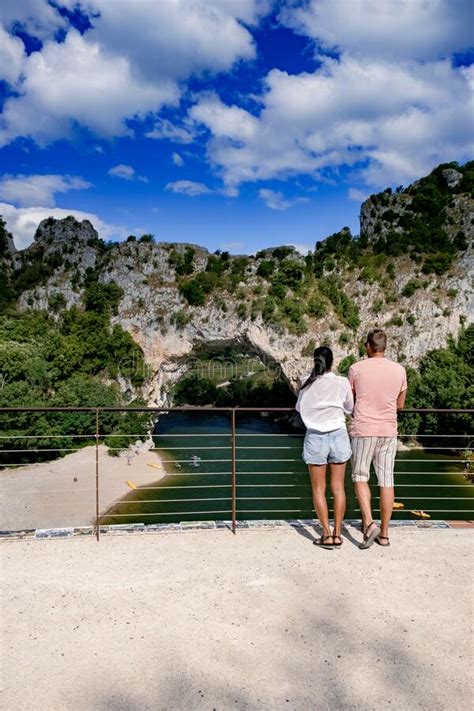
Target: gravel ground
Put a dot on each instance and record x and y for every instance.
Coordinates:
(260, 620)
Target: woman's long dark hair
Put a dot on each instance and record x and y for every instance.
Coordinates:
(323, 359)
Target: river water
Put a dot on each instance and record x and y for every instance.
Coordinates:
(272, 479)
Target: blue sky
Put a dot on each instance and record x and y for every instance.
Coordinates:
(235, 124)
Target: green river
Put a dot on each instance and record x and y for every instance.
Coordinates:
(272, 479)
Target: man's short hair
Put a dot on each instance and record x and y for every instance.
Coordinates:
(377, 340)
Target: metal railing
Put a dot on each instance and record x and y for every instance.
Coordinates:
(243, 469)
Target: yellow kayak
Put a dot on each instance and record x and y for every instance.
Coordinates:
(398, 505)
(153, 464)
(420, 514)
(131, 484)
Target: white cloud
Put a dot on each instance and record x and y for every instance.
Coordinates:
(126, 172)
(177, 159)
(77, 81)
(229, 121)
(357, 195)
(128, 65)
(399, 120)
(274, 199)
(178, 134)
(37, 17)
(23, 221)
(189, 187)
(27, 190)
(12, 57)
(176, 38)
(394, 29)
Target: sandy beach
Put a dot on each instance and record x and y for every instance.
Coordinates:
(61, 493)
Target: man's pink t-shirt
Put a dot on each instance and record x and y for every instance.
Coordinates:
(377, 383)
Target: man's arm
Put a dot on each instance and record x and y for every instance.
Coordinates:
(403, 392)
(401, 399)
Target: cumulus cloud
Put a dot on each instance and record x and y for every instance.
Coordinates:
(230, 122)
(177, 134)
(389, 107)
(128, 65)
(23, 221)
(394, 29)
(12, 57)
(188, 187)
(391, 122)
(126, 172)
(38, 189)
(90, 87)
(177, 159)
(357, 195)
(274, 199)
(177, 38)
(37, 17)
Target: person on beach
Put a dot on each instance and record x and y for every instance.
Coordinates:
(323, 401)
(380, 387)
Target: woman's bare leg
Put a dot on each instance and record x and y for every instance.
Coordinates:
(318, 485)
(339, 494)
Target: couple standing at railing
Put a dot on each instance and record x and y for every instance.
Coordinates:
(373, 393)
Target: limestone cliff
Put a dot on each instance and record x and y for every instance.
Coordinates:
(277, 303)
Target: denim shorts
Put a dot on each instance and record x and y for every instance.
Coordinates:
(327, 447)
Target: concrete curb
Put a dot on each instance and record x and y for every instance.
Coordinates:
(134, 528)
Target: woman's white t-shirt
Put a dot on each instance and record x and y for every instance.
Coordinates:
(324, 404)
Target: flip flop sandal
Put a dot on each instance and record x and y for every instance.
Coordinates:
(321, 543)
(369, 538)
(337, 545)
(383, 538)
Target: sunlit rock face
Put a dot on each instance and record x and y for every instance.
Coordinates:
(167, 327)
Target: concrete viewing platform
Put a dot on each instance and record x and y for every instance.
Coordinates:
(263, 620)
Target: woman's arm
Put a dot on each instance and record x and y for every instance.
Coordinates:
(300, 393)
(348, 403)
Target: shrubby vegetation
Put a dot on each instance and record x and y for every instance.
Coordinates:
(195, 290)
(44, 363)
(194, 390)
(183, 263)
(346, 309)
(443, 380)
(346, 363)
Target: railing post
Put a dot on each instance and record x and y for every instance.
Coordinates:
(234, 474)
(97, 526)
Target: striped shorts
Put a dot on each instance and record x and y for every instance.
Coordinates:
(379, 450)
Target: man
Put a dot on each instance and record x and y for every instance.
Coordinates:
(380, 387)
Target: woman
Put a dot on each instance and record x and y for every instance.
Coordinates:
(323, 401)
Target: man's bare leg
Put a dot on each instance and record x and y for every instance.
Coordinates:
(318, 485)
(387, 497)
(339, 495)
(364, 497)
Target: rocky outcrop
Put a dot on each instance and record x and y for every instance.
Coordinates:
(55, 233)
(452, 177)
(7, 245)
